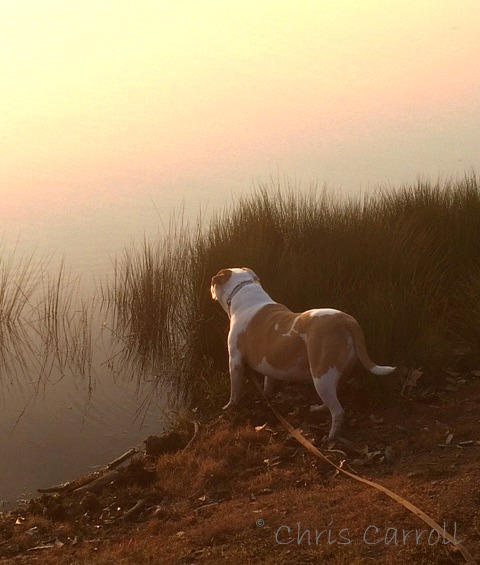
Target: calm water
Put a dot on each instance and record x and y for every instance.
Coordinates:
(71, 403)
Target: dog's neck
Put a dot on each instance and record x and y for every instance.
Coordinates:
(237, 289)
(255, 291)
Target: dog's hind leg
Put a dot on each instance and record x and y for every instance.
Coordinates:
(330, 361)
(326, 387)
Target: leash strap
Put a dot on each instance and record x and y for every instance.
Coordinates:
(394, 496)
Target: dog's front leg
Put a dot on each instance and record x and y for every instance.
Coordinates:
(237, 375)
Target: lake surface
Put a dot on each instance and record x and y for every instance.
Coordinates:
(71, 403)
(70, 398)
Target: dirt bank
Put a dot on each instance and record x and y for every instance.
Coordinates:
(245, 492)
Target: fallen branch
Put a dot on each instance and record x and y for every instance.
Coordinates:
(90, 479)
(119, 460)
(99, 483)
(57, 488)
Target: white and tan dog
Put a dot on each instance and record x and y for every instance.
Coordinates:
(321, 344)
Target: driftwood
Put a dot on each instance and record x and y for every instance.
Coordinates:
(119, 460)
(98, 483)
(57, 488)
(93, 480)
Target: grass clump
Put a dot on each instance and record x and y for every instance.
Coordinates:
(404, 262)
(45, 325)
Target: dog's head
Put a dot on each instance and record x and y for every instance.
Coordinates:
(226, 281)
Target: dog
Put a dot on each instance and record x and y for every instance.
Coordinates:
(321, 344)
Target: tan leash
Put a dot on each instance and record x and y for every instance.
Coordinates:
(405, 503)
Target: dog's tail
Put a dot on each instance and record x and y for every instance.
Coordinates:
(364, 358)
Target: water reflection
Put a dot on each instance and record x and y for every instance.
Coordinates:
(46, 328)
(73, 391)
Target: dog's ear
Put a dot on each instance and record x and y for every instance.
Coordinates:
(254, 275)
(220, 278)
(212, 292)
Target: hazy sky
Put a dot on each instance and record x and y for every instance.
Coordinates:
(103, 100)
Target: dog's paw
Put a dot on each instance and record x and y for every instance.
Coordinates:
(328, 442)
(228, 406)
(317, 408)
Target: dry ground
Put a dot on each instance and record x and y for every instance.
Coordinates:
(247, 493)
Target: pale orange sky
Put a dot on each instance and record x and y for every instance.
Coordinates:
(109, 98)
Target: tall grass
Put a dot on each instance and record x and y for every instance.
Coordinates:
(64, 324)
(404, 262)
(147, 305)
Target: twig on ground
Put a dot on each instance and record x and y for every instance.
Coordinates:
(195, 433)
(135, 510)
